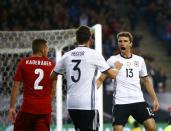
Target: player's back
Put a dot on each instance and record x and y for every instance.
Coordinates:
(81, 66)
(37, 86)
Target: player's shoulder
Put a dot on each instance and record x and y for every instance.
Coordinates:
(22, 60)
(93, 51)
(68, 53)
(85, 50)
(52, 61)
(117, 56)
(137, 57)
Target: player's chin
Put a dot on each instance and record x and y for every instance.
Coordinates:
(122, 51)
(45, 56)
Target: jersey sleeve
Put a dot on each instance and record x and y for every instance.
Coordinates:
(18, 75)
(110, 62)
(143, 70)
(60, 66)
(101, 63)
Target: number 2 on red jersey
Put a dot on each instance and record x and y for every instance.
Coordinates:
(40, 73)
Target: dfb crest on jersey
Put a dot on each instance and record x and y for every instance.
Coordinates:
(136, 63)
(128, 64)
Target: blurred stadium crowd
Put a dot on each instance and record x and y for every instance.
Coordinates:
(113, 15)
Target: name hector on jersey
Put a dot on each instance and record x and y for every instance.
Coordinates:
(39, 62)
(77, 53)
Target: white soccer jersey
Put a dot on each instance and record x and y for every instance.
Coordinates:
(127, 87)
(81, 65)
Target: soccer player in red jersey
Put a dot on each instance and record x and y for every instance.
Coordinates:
(34, 73)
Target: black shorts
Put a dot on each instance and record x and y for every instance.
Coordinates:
(85, 120)
(140, 111)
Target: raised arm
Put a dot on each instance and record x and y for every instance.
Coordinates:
(112, 72)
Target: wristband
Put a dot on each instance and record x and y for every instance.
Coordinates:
(115, 69)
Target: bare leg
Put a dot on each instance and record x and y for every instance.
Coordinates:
(150, 124)
(117, 127)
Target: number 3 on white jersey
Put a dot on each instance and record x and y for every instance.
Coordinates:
(40, 72)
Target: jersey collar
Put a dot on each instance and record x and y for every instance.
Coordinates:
(82, 46)
(126, 57)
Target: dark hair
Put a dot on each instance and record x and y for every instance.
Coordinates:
(37, 44)
(83, 34)
(125, 34)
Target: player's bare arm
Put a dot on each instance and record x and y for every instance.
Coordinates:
(114, 71)
(12, 111)
(150, 90)
(53, 75)
(111, 73)
(100, 80)
(53, 88)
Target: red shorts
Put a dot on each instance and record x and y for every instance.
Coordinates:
(32, 122)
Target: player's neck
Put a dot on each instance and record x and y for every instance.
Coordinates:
(37, 55)
(87, 44)
(82, 46)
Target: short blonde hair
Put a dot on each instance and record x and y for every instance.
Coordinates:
(125, 34)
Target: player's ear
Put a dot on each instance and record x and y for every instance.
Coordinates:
(131, 44)
(42, 50)
(91, 41)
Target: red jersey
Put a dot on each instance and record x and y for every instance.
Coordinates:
(34, 72)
